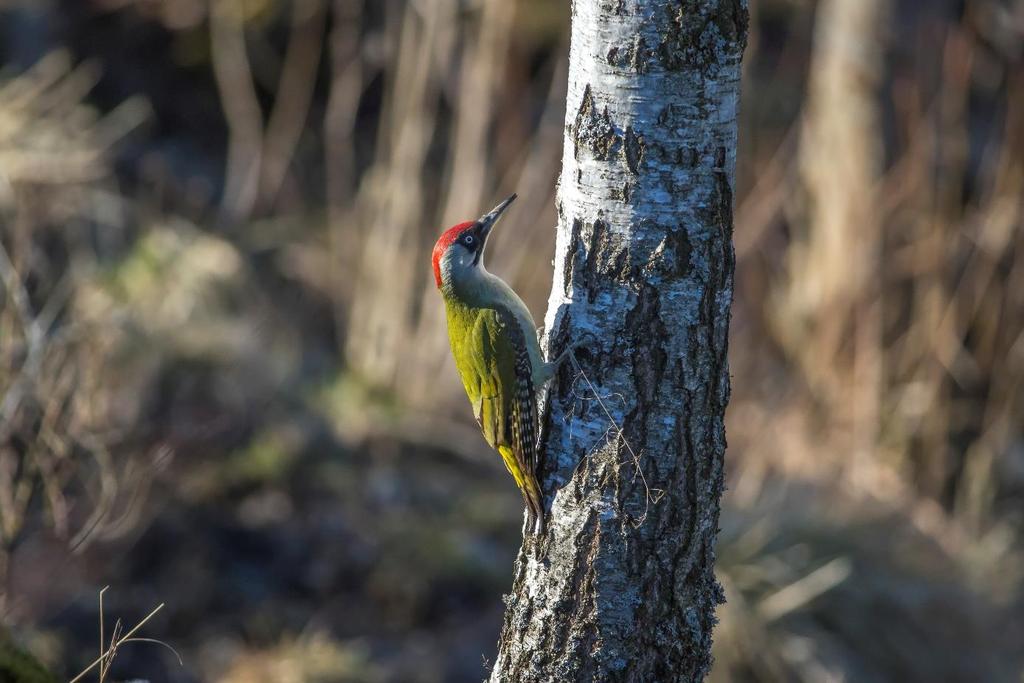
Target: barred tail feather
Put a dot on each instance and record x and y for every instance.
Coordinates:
(535, 501)
(528, 486)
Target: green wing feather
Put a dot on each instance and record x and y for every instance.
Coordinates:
(493, 360)
(494, 363)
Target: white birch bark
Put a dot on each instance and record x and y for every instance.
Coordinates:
(622, 587)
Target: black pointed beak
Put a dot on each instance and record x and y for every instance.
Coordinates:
(488, 220)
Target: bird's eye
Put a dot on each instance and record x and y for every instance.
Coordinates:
(469, 240)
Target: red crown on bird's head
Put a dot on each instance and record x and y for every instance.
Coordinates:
(445, 241)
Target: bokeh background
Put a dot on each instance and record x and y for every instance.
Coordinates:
(224, 379)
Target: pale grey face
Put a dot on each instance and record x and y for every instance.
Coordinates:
(464, 259)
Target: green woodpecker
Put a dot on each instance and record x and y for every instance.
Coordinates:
(494, 342)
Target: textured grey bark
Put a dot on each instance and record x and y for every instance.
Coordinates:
(622, 586)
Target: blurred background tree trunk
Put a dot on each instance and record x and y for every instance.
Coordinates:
(622, 587)
(830, 317)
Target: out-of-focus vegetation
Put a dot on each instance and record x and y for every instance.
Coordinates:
(224, 381)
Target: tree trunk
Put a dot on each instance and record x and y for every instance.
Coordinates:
(622, 587)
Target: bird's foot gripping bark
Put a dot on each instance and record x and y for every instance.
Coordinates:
(534, 540)
(569, 354)
(534, 524)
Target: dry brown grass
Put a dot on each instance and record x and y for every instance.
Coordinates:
(119, 637)
(56, 463)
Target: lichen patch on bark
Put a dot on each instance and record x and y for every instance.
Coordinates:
(696, 33)
(633, 150)
(592, 130)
